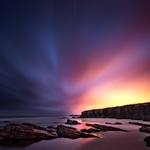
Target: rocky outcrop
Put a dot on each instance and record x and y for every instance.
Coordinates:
(139, 124)
(72, 133)
(105, 128)
(33, 126)
(116, 123)
(18, 132)
(135, 111)
(72, 122)
(91, 130)
(147, 140)
(145, 129)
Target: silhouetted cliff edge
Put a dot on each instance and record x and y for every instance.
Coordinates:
(134, 111)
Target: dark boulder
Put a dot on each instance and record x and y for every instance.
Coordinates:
(72, 122)
(72, 133)
(91, 130)
(6, 121)
(50, 127)
(145, 129)
(147, 140)
(17, 132)
(116, 123)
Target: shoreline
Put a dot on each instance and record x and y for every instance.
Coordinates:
(110, 140)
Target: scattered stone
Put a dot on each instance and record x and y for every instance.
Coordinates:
(145, 129)
(147, 140)
(91, 130)
(105, 128)
(108, 123)
(72, 133)
(116, 123)
(6, 122)
(75, 116)
(72, 122)
(139, 124)
(50, 127)
(63, 118)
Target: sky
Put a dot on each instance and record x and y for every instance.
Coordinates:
(62, 57)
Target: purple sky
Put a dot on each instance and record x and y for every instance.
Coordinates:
(64, 56)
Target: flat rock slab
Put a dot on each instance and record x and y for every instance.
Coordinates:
(105, 128)
(116, 123)
(91, 130)
(145, 129)
(139, 124)
(72, 133)
(18, 132)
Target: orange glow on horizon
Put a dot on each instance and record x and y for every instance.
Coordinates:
(111, 94)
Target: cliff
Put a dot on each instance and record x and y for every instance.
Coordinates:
(134, 111)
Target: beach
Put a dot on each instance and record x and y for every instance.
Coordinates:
(110, 140)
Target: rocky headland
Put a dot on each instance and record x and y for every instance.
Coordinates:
(135, 111)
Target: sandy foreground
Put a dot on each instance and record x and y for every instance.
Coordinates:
(118, 141)
(132, 140)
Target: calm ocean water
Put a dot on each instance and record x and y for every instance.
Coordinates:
(69, 144)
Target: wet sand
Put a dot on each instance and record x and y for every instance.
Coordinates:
(118, 141)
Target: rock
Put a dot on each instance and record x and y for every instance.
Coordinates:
(63, 118)
(33, 126)
(91, 130)
(72, 122)
(135, 111)
(28, 132)
(1, 138)
(116, 123)
(108, 123)
(6, 121)
(105, 128)
(139, 124)
(75, 116)
(50, 127)
(145, 129)
(72, 133)
(147, 140)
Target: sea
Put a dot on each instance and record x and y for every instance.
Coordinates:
(112, 140)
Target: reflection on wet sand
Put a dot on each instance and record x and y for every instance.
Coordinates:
(21, 144)
(110, 140)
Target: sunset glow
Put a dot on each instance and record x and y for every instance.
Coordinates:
(64, 57)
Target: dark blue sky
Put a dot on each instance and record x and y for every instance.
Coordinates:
(53, 53)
